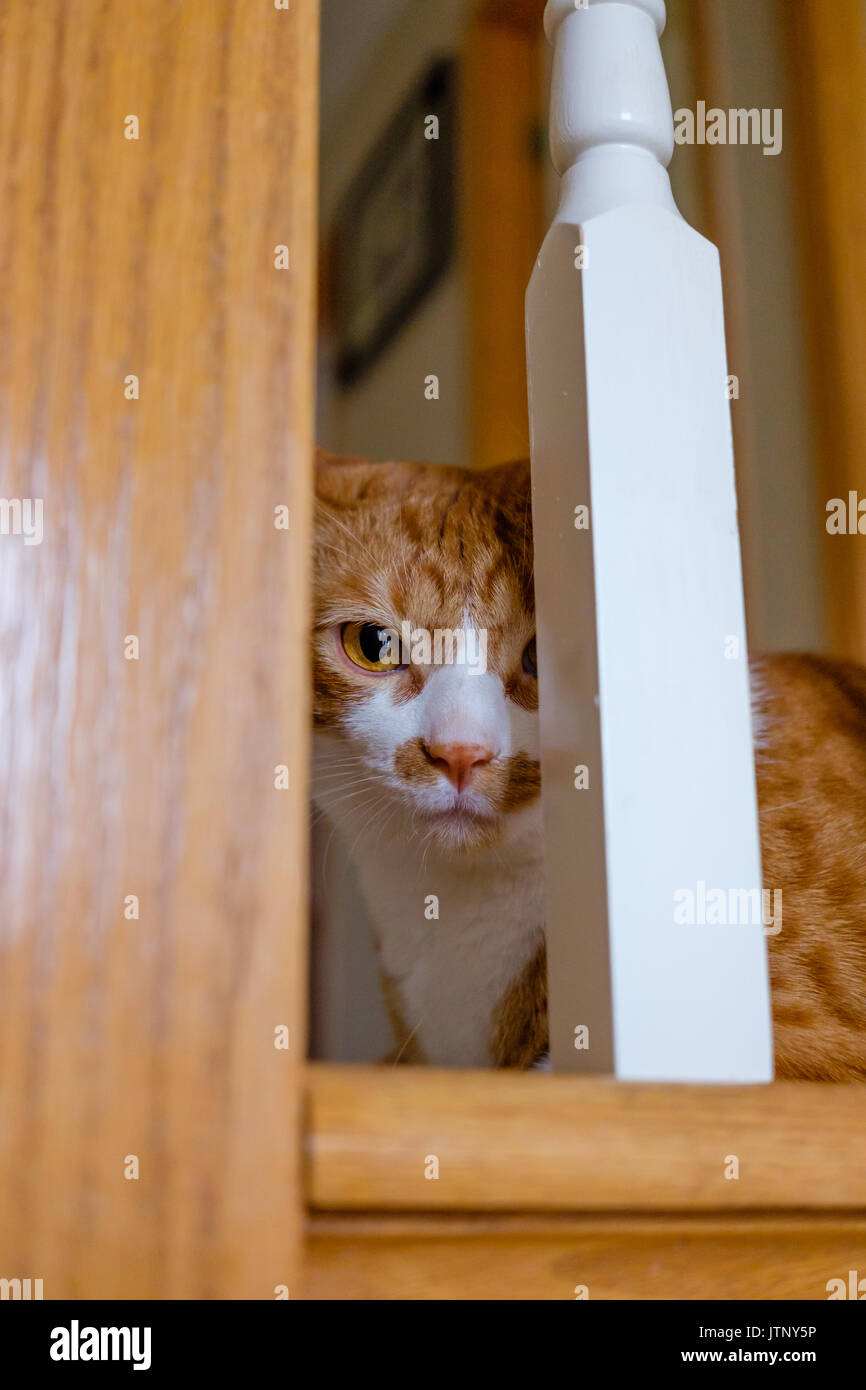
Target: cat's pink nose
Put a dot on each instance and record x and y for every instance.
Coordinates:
(459, 760)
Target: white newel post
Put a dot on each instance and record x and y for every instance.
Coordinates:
(657, 950)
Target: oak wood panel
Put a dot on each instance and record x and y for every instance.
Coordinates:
(530, 1142)
(549, 1258)
(154, 256)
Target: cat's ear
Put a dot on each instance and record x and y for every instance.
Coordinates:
(340, 478)
(510, 482)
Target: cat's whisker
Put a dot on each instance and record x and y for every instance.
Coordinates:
(319, 775)
(321, 813)
(327, 809)
(331, 797)
(334, 781)
(331, 812)
(335, 764)
(323, 545)
(345, 797)
(343, 527)
(427, 842)
(500, 861)
(346, 774)
(358, 807)
(381, 818)
(331, 752)
(407, 1042)
(385, 824)
(338, 765)
(403, 550)
(345, 777)
(366, 826)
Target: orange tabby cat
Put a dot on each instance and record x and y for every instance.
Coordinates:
(429, 767)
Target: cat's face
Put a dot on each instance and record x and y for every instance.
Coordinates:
(425, 689)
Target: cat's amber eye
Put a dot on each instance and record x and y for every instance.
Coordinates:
(371, 647)
(529, 659)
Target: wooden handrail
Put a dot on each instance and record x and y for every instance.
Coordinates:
(528, 1142)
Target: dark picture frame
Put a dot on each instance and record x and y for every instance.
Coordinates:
(395, 228)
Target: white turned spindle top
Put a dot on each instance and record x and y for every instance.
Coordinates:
(611, 124)
(557, 10)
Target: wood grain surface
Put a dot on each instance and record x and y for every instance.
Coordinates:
(529, 1142)
(502, 198)
(551, 1258)
(828, 139)
(154, 1037)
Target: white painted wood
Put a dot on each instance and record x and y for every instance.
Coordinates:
(644, 674)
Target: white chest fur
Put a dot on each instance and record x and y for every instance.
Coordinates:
(452, 970)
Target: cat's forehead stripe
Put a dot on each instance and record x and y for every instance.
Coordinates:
(439, 548)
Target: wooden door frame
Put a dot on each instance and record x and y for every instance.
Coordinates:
(827, 58)
(826, 134)
(502, 199)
